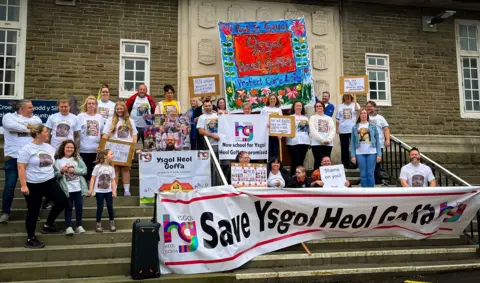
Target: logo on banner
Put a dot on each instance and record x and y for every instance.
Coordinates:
(453, 215)
(202, 155)
(186, 230)
(176, 186)
(244, 132)
(145, 157)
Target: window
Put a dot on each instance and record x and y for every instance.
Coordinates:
(378, 71)
(134, 65)
(13, 21)
(468, 56)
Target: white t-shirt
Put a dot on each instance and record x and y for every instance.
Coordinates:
(90, 132)
(73, 181)
(417, 176)
(104, 175)
(40, 161)
(62, 127)
(273, 178)
(267, 110)
(366, 146)
(209, 122)
(346, 116)
(381, 124)
(322, 129)
(106, 109)
(15, 132)
(122, 132)
(140, 107)
(301, 131)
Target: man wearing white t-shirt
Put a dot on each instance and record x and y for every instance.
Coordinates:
(416, 174)
(139, 105)
(207, 125)
(63, 125)
(16, 135)
(383, 133)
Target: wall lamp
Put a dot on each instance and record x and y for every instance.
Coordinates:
(429, 24)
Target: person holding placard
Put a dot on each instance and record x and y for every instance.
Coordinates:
(168, 106)
(316, 177)
(91, 126)
(277, 175)
(105, 106)
(221, 106)
(346, 115)
(273, 107)
(121, 127)
(322, 132)
(139, 105)
(298, 146)
(365, 149)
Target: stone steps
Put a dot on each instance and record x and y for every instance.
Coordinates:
(19, 203)
(90, 212)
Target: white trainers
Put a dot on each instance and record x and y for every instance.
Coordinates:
(4, 218)
(69, 231)
(80, 230)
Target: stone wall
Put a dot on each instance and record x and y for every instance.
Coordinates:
(74, 50)
(423, 69)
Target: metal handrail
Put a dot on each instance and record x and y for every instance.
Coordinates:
(215, 161)
(408, 147)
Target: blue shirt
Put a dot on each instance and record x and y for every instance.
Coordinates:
(329, 109)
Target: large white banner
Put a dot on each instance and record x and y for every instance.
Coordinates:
(243, 133)
(172, 171)
(220, 228)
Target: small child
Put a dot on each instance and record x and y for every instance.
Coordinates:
(300, 180)
(71, 170)
(103, 183)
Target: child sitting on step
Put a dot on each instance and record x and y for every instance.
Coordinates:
(104, 186)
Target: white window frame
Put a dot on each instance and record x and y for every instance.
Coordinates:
(388, 100)
(21, 28)
(463, 53)
(124, 55)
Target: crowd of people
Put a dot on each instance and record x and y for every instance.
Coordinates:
(60, 161)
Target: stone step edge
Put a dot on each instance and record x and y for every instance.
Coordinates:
(65, 247)
(93, 208)
(267, 257)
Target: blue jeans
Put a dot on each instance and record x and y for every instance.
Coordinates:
(11, 177)
(366, 164)
(109, 199)
(77, 200)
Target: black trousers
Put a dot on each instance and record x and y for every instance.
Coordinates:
(273, 148)
(88, 159)
(141, 136)
(297, 154)
(320, 151)
(345, 149)
(52, 191)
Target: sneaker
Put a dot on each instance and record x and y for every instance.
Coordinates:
(127, 194)
(46, 205)
(69, 231)
(4, 218)
(80, 230)
(50, 229)
(112, 226)
(98, 227)
(34, 243)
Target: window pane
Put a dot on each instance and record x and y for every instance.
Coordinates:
(13, 13)
(474, 73)
(474, 84)
(10, 76)
(2, 49)
(381, 76)
(373, 95)
(373, 85)
(382, 95)
(463, 31)
(371, 61)
(2, 61)
(472, 45)
(129, 64)
(128, 86)
(473, 63)
(466, 73)
(466, 62)
(3, 13)
(11, 49)
(14, 2)
(141, 49)
(140, 65)
(9, 89)
(12, 36)
(468, 85)
(129, 48)
(139, 76)
(10, 63)
(4, 2)
(464, 43)
(381, 86)
(475, 95)
(129, 75)
(372, 76)
(1, 76)
(137, 84)
(468, 105)
(476, 105)
(380, 62)
(2, 35)
(472, 32)
(468, 94)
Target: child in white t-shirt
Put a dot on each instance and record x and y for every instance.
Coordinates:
(104, 186)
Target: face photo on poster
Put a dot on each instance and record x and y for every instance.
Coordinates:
(163, 126)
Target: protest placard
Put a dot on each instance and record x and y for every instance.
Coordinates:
(161, 126)
(282, 126)
(122, 151)
(333, 176)
(249, 175)
(354, 85)
(208, 85)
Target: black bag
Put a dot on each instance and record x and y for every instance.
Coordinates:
(145, 237)
(381, 175)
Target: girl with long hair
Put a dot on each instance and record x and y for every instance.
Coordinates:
(273, 107)
(298, 145)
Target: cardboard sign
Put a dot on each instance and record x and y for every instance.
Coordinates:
(333, 176)
(354, 85)
(122, 151)
(249, 175)
(204, 85)
(281, 126)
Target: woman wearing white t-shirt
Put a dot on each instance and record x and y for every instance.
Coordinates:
(105, 106)
(365, 149)
(322, 132)
(298, 145)
(37, 179)
(91, 126)
(273, 107)
(121, 127)
(277, 175)
(346, 115)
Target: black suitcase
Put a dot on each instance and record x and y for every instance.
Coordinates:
(145, 237)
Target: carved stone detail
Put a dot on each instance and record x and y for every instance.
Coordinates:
(321, 86)
(319, 57)
(206, 52)
(264, 14)
(207, 16)
(236, 13)
(320, 22)
(293, 14)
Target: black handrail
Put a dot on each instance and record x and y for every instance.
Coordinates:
(395, 157)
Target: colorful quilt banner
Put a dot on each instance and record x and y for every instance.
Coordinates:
(263, 58)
